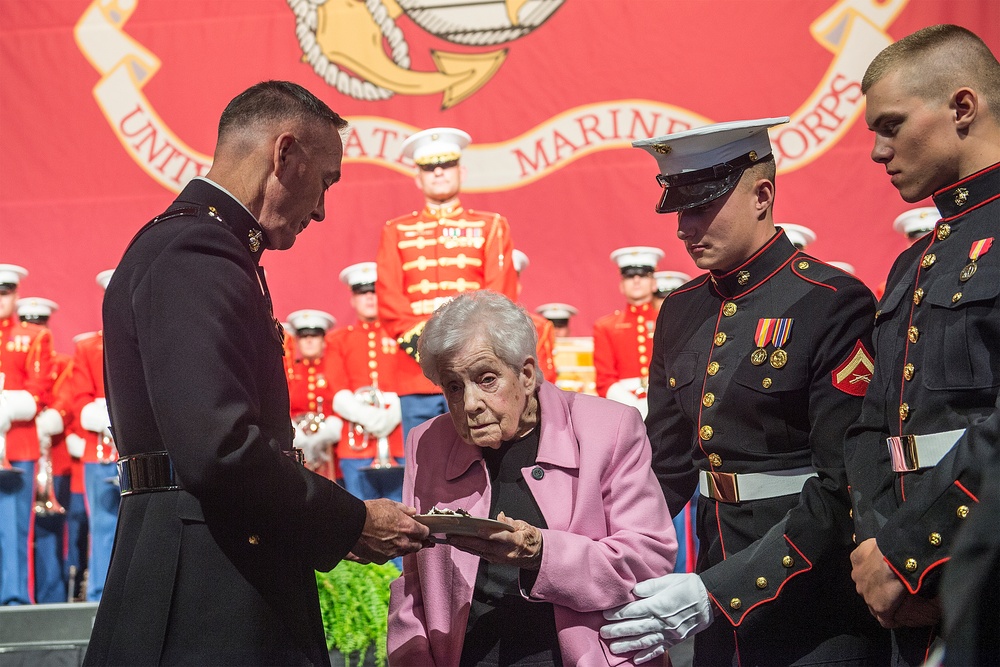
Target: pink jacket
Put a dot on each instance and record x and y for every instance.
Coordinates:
(608, 528)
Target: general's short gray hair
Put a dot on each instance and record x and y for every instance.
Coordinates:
(485, 315)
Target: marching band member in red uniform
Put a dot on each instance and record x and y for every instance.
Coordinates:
(623, 341)
(361, 363)
(98, 451)
(310, 394)
(558, 314)
(25, 360)
(546, 332)
(429, 256)
(50, 527)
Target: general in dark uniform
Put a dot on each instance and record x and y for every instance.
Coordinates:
(220, 528)
(920, 457)
(758, 368)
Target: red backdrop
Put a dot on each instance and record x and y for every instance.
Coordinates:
(107, 107)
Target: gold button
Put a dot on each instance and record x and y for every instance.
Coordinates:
(766, 383)
(878, 314)
(935, 539)
(928, 260)
(803, 265)
(904, 411)
(918, 295)
(908, 371)
(743, 277)
(850, 512)
(956, 297)
(642, 348)
(713, 368)
(708, 400)
(913, 334)
(720, 338)
(640, 319)
(372, 364)
(673, 382)
(910, 565)
(643, 358)
(962, 511)
(761, 583)
(706, 432)
(729, 309)
(943, 231)
(788, 561)
(641, 339)
(735, 603)
(715, 460)
(254, 540)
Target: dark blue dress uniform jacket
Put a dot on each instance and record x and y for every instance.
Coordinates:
(222, 571)
(937, 356)
(778, 569)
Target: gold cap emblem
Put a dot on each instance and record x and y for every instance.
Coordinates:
(662, 149)
(752, 155)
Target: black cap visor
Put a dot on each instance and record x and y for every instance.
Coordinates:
(695, 188)
(680, 197)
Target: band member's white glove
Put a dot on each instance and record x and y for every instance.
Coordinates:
(94, 417)
(391, 419)
(75, 445)
(373, 420)
(671, 608)
(316, 446)
(630, 392)
(17, 406)
(49, 423)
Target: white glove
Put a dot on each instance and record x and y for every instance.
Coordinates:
(671, 608)
(630, 392)
(4, 417)
(373, 420)
(316, 446)
(387, 422)
(75, 445)
(94, 417)
(49, 423)
(19, 404)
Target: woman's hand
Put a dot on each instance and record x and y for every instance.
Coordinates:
(521, 548)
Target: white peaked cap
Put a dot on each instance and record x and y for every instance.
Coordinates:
(702, 164)
(36, 306)
(436, 145)
(311, 319)
(843, 266)
(637, 256)
(520, 260)
(668, 281)
(556, 311)
(799, 235)
(916, 221)
(11, 274)
(104, 277)
(362, 273)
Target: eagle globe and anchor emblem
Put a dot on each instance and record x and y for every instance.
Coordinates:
(357, 46)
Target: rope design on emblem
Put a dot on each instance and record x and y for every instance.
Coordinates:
(305, 29)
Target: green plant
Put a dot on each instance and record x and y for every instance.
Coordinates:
(354, 600)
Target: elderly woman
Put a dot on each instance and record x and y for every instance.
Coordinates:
(568, 473)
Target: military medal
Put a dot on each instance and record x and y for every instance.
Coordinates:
(978, 249)
(765, 329)
(781, 333)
